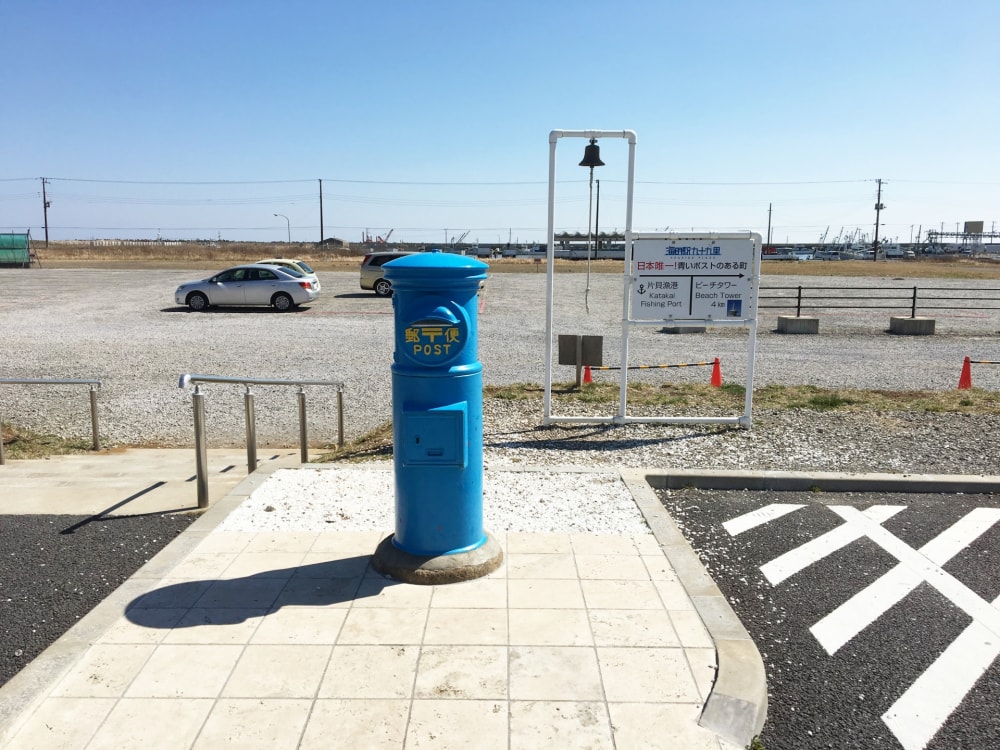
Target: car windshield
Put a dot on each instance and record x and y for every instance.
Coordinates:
(291, 272)
(305, 267)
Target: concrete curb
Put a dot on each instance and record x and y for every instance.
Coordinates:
(737, 706)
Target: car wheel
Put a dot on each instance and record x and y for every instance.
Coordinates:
(383, 288)
(282, 302)
(197, 301)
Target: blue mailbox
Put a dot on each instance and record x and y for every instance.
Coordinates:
(437, 404)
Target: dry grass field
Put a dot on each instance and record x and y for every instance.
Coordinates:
(220, 255)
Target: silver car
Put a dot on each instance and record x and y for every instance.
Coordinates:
(296, 265)
(254, 284)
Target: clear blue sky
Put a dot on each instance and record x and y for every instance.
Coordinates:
(432, 118)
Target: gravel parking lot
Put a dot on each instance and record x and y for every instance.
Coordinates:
(122, 327)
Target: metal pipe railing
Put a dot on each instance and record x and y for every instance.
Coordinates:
(876, 298)
(198, 401)
(94, 385)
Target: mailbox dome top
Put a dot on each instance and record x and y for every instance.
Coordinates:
(437, 259)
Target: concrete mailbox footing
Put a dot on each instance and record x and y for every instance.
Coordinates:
(391, 561)
(682, 329)
(798, 324)
(911, 326)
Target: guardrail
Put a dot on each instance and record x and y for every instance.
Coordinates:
(94, 385)
(875, 297)
(198, 399)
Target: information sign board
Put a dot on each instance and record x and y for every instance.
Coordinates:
(694, 277)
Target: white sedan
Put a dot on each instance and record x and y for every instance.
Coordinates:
(254, 284)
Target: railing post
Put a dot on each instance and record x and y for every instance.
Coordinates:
(798, 303)
(94, 427)
(340, 416)
(2, 461)
(913, 306)
(303, 440)
(251, 419)
(200, 451)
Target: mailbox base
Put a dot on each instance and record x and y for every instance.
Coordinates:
(391, 561)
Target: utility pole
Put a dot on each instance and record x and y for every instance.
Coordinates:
(768, 223)
(878, 210)
(321, 212)
(45, 211)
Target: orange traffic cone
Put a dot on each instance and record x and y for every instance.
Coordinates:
(717, 374)
(586, 374)
(965, 379)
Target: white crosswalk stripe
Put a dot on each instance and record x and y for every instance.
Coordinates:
(862, 609)
(816, 549)
(920, 712)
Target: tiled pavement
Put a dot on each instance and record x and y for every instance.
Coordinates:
(291, 640)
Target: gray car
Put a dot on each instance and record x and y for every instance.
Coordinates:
(253, 284)
(372, 272)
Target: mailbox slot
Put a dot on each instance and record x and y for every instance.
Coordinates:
(436, 436)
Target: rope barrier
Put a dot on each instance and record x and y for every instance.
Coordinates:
(965, 378)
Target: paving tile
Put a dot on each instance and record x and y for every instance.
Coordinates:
(549, 627)
(262, 565)
(633, 627)
(347, 543)
(152, 724)
(541, 565)
(554, 673)
(278, 671)
(171, 593)
(370, 672)
(673, 594)
(220, 542)
(185, 671)
(567, 725)
(462, 672)
(458, 725)
(647, 674)
(384, 592)
(609, 594)
(620, 567)
(705, 668)
(659, 567)
(318, 592)
(241, 593)
(544, 594)
(65, 723)
(216, 625)
(354, 724)
(372, 625)
(333, 565)
(647, 544)
(482, 593)
(603, 544)
(105, 670)
(199, 566)
(523, 542)
(690, 629)
(282, 541)
(466, 626)
(254, 723)
(315, 625)
(659, 725)
(154, 628)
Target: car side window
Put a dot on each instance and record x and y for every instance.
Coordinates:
(264, 275)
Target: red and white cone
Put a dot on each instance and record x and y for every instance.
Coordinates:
(586, 374)
(965, 379)
(717, 374)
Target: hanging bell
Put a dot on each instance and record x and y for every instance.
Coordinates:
(592, 155)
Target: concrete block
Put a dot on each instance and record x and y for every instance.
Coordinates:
(911, 326)
(801, 324)
(682, 329)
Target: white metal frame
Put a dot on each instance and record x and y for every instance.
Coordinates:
(628, 272)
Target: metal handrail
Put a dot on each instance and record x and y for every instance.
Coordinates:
(198, 399)
(908, 296)
(94, 385)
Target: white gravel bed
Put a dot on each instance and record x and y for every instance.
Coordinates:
(362, 499)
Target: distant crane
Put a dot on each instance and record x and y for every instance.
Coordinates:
(460, 238)
(383, 240)
(822, 239)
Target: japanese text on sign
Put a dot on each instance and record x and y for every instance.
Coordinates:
(432, 341)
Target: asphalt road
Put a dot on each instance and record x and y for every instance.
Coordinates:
(862, 651)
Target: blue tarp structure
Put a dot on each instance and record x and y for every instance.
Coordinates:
(15, 250)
